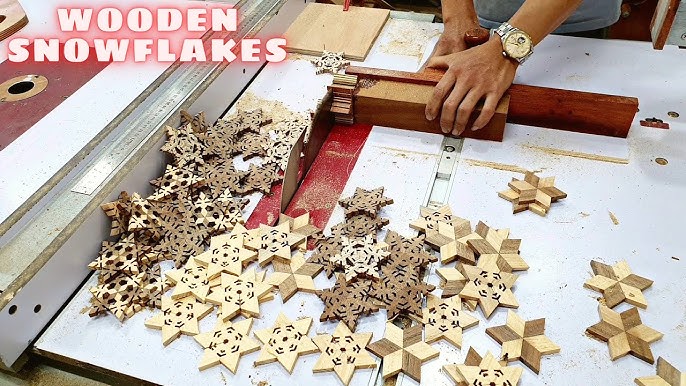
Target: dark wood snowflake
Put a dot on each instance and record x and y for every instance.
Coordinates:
(347, 302)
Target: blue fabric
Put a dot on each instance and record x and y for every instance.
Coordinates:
(592, 14)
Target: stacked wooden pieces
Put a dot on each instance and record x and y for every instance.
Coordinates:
(624, 332)
(343, 89)
(483, 371)
(485, 258)
(196, 198)
(326, 27)
(533, 193)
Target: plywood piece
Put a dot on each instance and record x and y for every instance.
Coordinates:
(294, 276)
(285, 342)
(617, 284)
(445, 319)
(483, 371)
(667, 375)
(523, 340)
(178, 317)
(625, 333)
(14, 18)
(347, 302)
(403, 351)
(226, 343)
(326, 27)
(239, 294)
(343, 352)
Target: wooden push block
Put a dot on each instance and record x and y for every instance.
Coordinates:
(401, 105)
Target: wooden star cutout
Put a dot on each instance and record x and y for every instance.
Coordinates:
(300, 225)
(239, 294)
(260, 178)
(401, 290)
(192, 279)
(524, 341)
(285, 342)
(274, 243)
(490, 287)
(119, 212)
(122, 296)
(252, 120)
(122, 256)
(219, 214)
(497, 245)
(625, 333)
(178, 317)
(445, 319)
(294, 277)
(667, 375)
(343, 352)
(533, 193)
(330, 62)
(226, 254)
(347, 302)
(220, 175)
(617, 284)
(409, 249)
(184, 146)
(483, 371)
(176, 180)
(143, 214)
(367, 202)
(252, 145)
(451, 241)
(326, 248)
(198, 122)
(402, 350)
(226, 343)
(359, 226)
(360, 258)
(428, 220)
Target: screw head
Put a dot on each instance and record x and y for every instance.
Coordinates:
(683, 36)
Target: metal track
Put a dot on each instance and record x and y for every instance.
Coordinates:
(31, 298)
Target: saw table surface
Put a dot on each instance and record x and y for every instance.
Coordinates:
(623, 181)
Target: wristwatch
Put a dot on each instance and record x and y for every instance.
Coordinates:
(517, 44)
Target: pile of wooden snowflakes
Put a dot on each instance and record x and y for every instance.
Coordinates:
(196, 197)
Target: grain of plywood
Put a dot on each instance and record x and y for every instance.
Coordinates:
(327, 27)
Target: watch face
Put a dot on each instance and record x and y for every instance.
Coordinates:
(517, 45)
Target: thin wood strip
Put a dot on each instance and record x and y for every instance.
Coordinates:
(568, 110)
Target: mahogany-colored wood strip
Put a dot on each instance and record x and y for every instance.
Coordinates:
(568, 110)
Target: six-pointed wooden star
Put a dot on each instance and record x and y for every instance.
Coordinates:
(625, 333)
(403, 350)
(483, 371)
(294, 277)
(523, 340)
(226, 254)
(274, 243)
(343, 352)
(285, 342)
(226, 343)
(239, 294)
(178, 317)
(191, 279)
(617, 284)
(489, 287)
(445, 319)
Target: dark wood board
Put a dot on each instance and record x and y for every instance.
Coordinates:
(577, 111)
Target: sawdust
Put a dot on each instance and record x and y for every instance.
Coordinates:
(582, 214)
(497, 166)
(321, 195)
(404, 153)
(270, 218)
(613, 218)
(366, 83)
(276, 110)
(567, 153)
(408, 38)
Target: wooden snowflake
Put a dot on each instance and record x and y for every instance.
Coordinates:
(360, 258)
(347, 302)
(192, 279)
(274, 242)
(119, 212)
(285, 342)
(330, 62)
(176, 180)
(260, 179)
(239, 294)
(489, 286)
(178, 317)
(618, 283)
(293, 277)
(483, 371)
(226, 344)
(403, 351)
(496, 244)
(445, 319)
(367, 202)
(343, 352)
(227, 254)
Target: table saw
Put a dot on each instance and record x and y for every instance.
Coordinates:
(624, 202)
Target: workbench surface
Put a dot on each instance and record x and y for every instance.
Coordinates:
(643, 196)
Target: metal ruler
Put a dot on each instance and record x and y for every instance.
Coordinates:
(49, 275)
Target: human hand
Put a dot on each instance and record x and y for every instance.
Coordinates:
(452, 38)
(471, 75)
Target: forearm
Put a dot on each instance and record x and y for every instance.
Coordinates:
(459, 13)
(539, 18)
